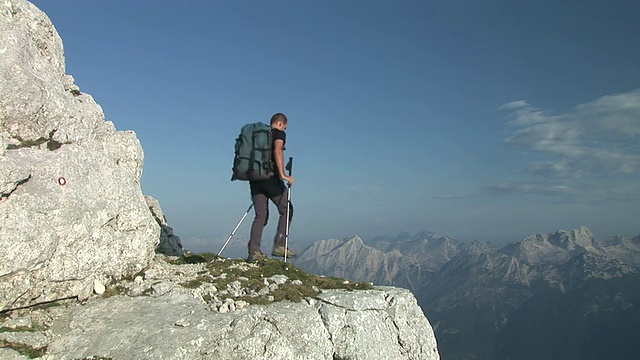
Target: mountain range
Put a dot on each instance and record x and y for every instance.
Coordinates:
(562, 295)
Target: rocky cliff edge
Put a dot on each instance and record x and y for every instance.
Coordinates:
(225, 309)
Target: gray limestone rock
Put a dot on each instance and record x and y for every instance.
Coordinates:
(34, 339)
(9, 354)
(71, 207)
(187, 322)
(177, 325)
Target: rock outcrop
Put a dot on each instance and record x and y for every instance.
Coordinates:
(379, 324)
(72, 213)
(163, 314)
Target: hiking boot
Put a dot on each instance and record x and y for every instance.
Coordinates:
(278, 251)
(257, 255)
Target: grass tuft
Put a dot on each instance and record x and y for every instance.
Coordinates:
(252, 277)
(19, 329)
(24, 349)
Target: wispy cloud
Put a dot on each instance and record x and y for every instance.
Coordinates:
(531, 188)
(595, 140)
(515, 105)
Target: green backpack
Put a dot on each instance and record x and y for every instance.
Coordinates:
(252, 160)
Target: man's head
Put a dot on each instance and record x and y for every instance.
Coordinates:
(279, 121)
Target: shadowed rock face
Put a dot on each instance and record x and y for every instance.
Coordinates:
(170, 243)
(71, 207)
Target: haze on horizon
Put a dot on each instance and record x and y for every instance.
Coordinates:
(490, 120)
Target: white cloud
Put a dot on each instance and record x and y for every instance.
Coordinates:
(530, 188)
(591, 152)
(613, 114)
(514, 105)
(599, 137)
(525, 114)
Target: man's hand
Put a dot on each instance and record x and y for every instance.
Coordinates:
(288, 179)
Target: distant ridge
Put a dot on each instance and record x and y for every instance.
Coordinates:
(581, 296)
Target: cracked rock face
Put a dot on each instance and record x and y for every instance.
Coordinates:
(71, 207)
(178, 326)
(384, 323)
(160, 314)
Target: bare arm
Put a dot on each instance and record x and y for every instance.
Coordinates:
(278, 152)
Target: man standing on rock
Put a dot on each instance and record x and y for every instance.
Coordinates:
(275, 190)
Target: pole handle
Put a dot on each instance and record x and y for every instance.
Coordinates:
(289, 168)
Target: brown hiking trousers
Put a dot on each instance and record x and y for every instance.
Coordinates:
(260, 195)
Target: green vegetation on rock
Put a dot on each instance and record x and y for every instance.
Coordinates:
(221, 272)
(24, 349)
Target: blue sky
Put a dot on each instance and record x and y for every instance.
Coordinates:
(480, 120)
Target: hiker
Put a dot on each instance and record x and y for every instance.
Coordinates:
(275, 190)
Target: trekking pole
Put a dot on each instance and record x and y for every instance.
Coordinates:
(289, 168)
(235, 229)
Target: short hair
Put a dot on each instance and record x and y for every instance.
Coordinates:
(278, 117)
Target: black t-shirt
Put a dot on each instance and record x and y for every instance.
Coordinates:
(275, 135)
(273, 186)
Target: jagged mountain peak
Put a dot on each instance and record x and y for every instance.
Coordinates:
(322, 247)
(354, 245)
(351, 246)
(622, 240)
(568, 240)
(624, 248)
(573, 238)
(431, 239)
(354, 239)
(425, 234)
(402, 237)
(478, 246)
(553, 248)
